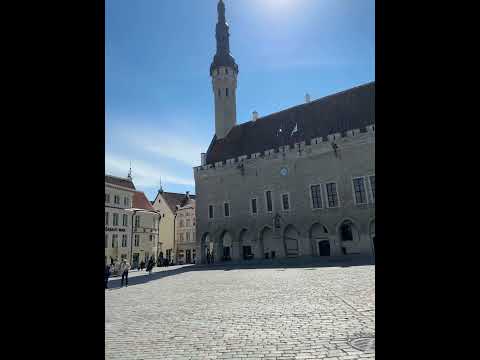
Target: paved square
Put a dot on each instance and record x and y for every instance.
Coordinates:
(226, 313)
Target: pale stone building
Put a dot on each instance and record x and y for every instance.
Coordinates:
(131, 223)
(119, 194)
(299, 182)
(185, 230)
(145, 230)
(166, 204)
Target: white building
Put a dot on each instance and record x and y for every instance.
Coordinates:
(131, 223)
(119, 194)
(185, 224)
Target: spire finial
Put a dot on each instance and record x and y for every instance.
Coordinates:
(130, 171)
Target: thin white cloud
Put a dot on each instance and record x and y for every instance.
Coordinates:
(144, 174)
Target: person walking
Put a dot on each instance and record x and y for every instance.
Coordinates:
(150, 266)
(107, 275)
(124, 267)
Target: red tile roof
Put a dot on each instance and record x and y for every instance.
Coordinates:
(140, 201)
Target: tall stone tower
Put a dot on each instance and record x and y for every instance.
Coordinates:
(224, 73)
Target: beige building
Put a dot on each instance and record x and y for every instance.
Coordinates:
(185, 233)
(145, 230)
(119, 194)
(298, 182)
(166, 204)
(131, 223)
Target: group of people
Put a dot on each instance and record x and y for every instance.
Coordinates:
(210, 257)
(121, 268)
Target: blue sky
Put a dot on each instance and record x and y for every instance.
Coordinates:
(158, 93)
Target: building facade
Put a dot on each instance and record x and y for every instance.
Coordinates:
(185, 231)
(119, 194)
(167, 204)
(299, 182)
(146, 242)
(131, 223)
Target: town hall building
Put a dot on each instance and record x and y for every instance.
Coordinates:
(298, 182)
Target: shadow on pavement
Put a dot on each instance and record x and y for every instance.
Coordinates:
(310, 263)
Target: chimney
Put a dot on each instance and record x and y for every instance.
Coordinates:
(204, 159)
(307, 98)
(254, 116)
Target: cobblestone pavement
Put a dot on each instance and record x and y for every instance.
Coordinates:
(227, 313)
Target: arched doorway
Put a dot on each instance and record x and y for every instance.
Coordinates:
(349, 235)
(291, 241)
(372, 235)
(320, 240)
(205, 245)
(267, 246)
(226, 241)
(246, 245)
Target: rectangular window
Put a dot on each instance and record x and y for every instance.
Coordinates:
(115, 219)
(218, 92)
(116, 199)
(226, 92)
(332, 196)
(227, 209)
(181, 237)
(137, 240)
(125, 220)
(124, 240)
(107, 197)
(106, 241)
(372, 186)
(285, 202)
(137, 221)
(316, 196)
(187, 222)
(359, 189)
(181, 223)
(106, 218)
(210, 211)
(254, 206)
(268, 198)
(114, 240)
(187, 235)
(151, 237)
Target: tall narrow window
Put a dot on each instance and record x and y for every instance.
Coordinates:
(372, 186)
(181, 237)
(181, 223)
(187, 222)
(107, 197)
(210, 211)
(268, 198)
(359, 188)
(106, 241)
(226, 92)
(151, 237)
(124, 240)
(125, 220)
(137, 240)
(116, 199)
(285, 202)
(137, 221)
(226, 70)
(106, 218)
(316, 196)
(332, 196)
(219, 92)
(227, 209)
(114, 240)
(254, 206)
(115, 219)
(187, 236)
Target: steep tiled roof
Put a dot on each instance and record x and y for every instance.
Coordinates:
(140, 201)
(174, 199)
(337, 113)
(127, 183)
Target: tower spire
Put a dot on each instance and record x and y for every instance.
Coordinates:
(130, 171)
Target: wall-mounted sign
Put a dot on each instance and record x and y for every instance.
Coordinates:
(109, 229)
